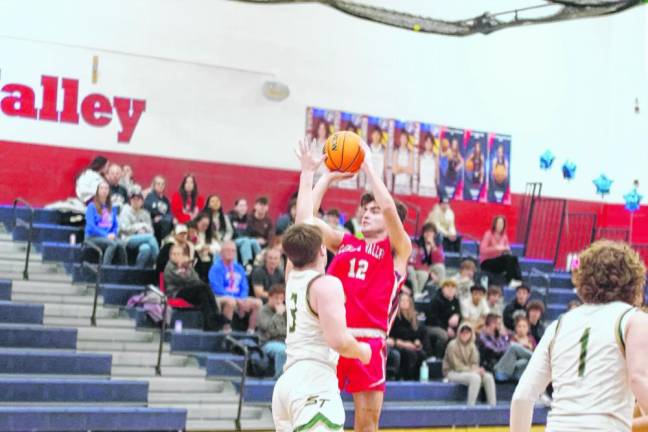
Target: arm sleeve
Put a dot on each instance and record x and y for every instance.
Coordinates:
(486, 246)
(229, 230)
(216, 280)
(245, 286)
(125, 222)
(114, 229)
(92, 230)
(176, 206)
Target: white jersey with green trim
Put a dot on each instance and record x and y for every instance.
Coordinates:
(588, 369)
(305, 338)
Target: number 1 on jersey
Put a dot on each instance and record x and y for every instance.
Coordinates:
(293, 313)
(584, 341)
(361, 271)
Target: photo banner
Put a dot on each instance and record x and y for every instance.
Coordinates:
(475, 156)
(320, 124)
(451, 163)
(427, 178)
(379, 133)
(405, 143)
(356, 123)
(499, 156)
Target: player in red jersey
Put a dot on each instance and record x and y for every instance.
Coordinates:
(372, 271)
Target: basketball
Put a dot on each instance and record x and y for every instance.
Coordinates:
(343, 152)
(469, 165)
(500, 174)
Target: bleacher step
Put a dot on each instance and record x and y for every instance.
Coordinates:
(78, 311)
(44, 277)
(263, 424)
(27, 287)
(35, 268)
(149, 371)
(81, 322)
(195, 398)
(81, 300)
(147, 359)
(216, 411)
(160, 384)
(102, 334)
(119, 346)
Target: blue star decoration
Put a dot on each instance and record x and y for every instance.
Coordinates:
(546, 160)
(569, 170)
(603, 185)
(632, 200)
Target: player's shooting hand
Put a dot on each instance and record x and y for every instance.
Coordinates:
(365, 352)
(307, 160)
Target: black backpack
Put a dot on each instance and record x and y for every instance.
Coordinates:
(259, 363)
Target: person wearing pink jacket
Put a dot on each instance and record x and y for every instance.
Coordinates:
(495, 253)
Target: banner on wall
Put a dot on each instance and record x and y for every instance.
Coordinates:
(475, 151)
(451, 161)
(428, 160)
(424, 159)
(499, 156)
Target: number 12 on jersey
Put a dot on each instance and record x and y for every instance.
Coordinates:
(360, 271)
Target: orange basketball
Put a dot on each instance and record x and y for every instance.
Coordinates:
(500, 174)
(343, 152)
(469, 165)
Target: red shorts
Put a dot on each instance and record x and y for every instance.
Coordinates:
(354, 377)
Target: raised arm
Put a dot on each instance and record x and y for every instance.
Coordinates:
(327, 299)
(308, 200)
(636, 354)
(398, 237)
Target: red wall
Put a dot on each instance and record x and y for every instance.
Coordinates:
(42, 174)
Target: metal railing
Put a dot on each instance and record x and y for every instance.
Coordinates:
(163, 327)
(246, 358)
(85, 264)
(547, 279)
(30, 228)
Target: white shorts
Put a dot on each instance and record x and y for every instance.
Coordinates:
(306, 398)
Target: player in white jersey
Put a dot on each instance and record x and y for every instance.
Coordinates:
(306, 397)
(596, 355)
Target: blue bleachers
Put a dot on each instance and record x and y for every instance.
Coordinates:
(118, 295)
(46, 233)
(60, 252)
(16, 390)
(221, 364)
(13, 336)
(40, 215)
(53, 363)
(5, 289)
(125, 419)
(200, 341)
(123, 275)
(20, 313)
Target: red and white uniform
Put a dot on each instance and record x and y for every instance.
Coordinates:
(371, 286)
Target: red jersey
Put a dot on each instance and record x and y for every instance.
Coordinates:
(371, 284)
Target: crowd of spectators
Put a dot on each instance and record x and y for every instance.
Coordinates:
(229, 265)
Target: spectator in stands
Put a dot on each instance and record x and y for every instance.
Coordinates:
(494, 298)
(102, 226)
(495, 253)
(353, 224)
(428, 262)
(182, 281)
(465, 278)
(405, 336)
(159, 208)
(180, 237)
(127, 179)
(535, 311)
(286, 220)
(492, 342)
(269, 274)
(229, 282)
(259, 225)
(519, 303)
(206, 247)
(461, 365)
(272, 328)
(186, 203)
(220, 227)
(443, 218)
(136, 229)
(573, 304)
(332, 218)
(475, 309)
(88, 180)
(511, 365)
(248, 247)
(444, 317)
(118, 193)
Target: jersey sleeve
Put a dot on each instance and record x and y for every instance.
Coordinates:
(537, 375)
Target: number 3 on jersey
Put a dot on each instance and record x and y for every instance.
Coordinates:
(360, 271)
(293, 313)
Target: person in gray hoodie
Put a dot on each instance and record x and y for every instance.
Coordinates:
(136, 229)
(461, 365)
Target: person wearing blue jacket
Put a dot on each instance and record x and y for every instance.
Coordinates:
(102, 226)
(229, 283)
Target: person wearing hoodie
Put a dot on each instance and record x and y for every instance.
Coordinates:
(461, 365)
(102, 226)
(136, 229)
(444, 316)
(159, 207)
(88, 180)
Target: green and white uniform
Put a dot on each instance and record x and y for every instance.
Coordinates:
(583, 355)
(306, 397)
